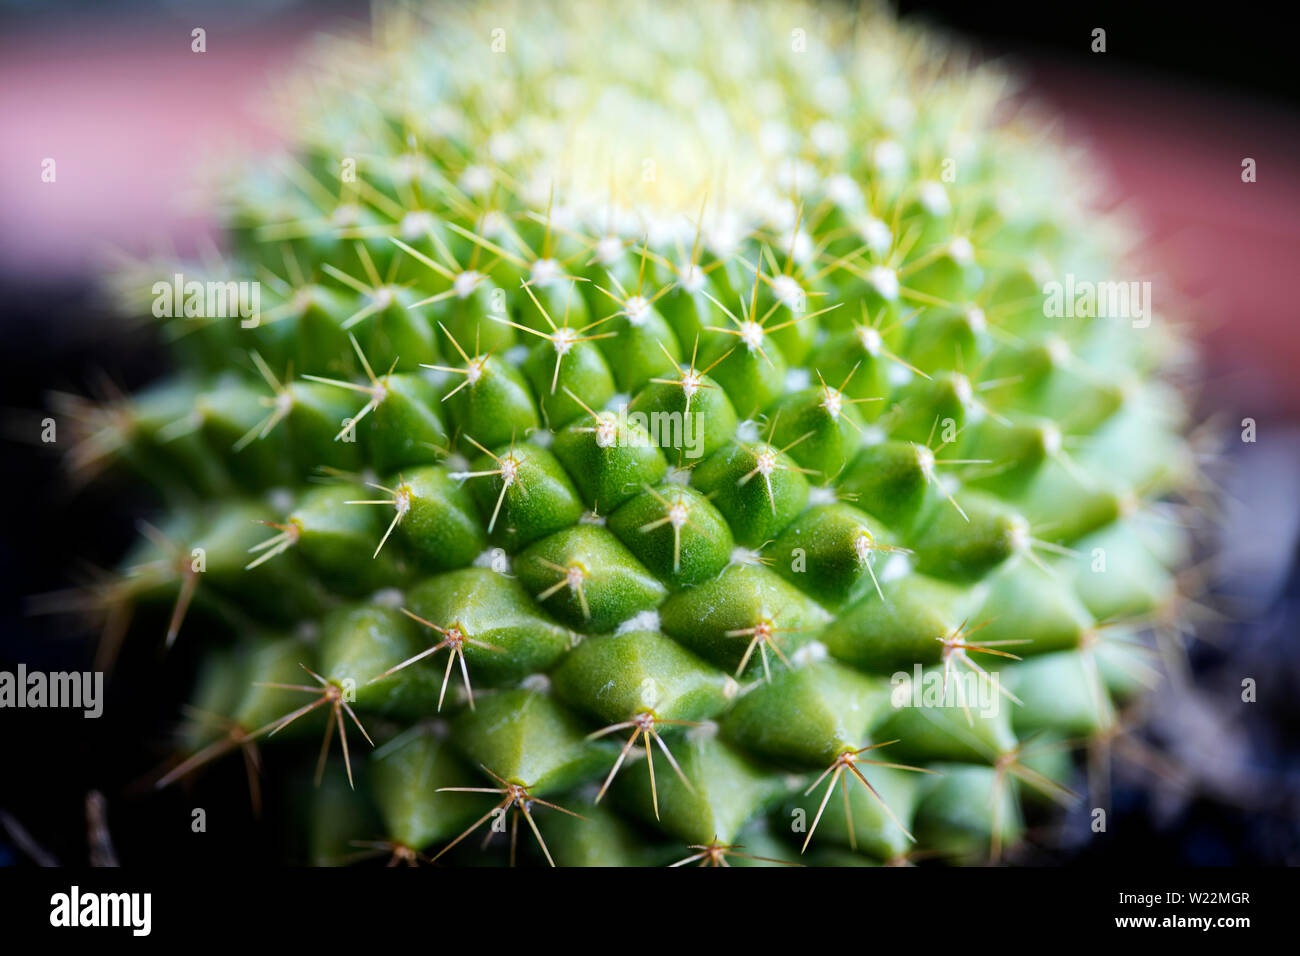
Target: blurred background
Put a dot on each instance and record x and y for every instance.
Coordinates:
(113, 93)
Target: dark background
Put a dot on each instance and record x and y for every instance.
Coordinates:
(1172, 107)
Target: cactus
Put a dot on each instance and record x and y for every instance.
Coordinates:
(655, 437)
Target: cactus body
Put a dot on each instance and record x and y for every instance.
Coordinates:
(661, 422)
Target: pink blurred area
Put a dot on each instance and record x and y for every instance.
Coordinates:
(129, 114)
(1231, 248)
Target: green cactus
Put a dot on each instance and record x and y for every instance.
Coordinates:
(656, 430)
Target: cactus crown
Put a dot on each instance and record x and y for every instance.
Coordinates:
(661, 422)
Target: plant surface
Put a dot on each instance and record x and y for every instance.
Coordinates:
(652, 438)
